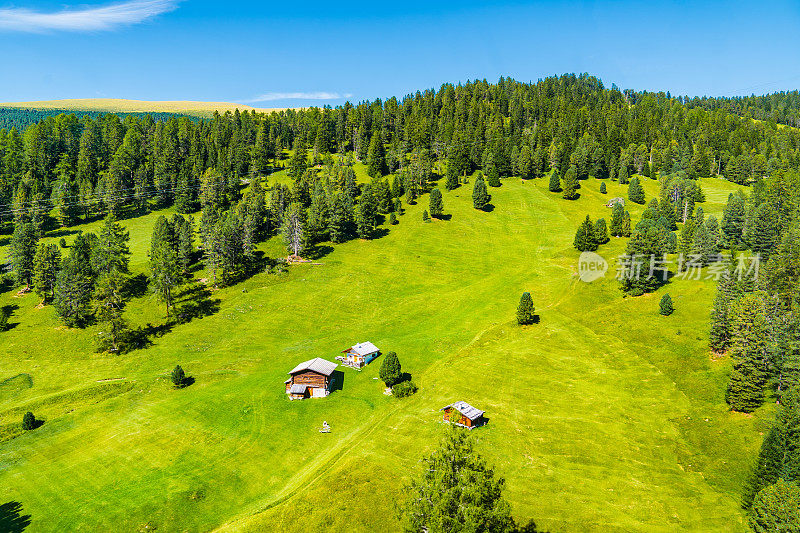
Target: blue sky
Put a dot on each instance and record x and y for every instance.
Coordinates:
(275, 54)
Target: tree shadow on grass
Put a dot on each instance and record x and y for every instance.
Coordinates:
(318, 251)
(195, 302)
(488, 208)
(136, 287)
(11, 518)
(443, 217)
(6, 312)
(379, 233)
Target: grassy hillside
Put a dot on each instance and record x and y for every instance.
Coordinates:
(122, 106)
(605, 416)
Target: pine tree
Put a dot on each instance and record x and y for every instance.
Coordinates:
(776, 508)
(602, 187)
(392, 218)
(293, 229)
(109, 295)
(112, 252)
(762, 232)
(733, 217)
(425, 216)
(46, 264)
(571, 184)
(601, 231)
(665, 306)
(298, 163)
(623, 175)
(525, 310)
(376, 156)
(703, 245)
(22, 250)
(636, 192)
(436, 206)
(492, 175)
(75, 283)
(480, 198)
(456, 491)
(626, 225)
(390, 372)
(748, 380)
(28, 421)
(555, 182)
(178, 377)
(165, 272)
(366, 212)
(617, 220)
(585, 238)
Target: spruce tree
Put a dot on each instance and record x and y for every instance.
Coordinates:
(763, 230)
(436, 206)
(585, 237)
(749, 344)
(703, 245)
(602, 187)
(165, 272)
(636, 192)
(665, 306)
(376, 156)
(555, 182)
(425, 216)
(480, 198)
(390, 372)
(75, 283)
(178, 377)
(525, 310)
(492, 175)
(732, 226)
(571, 184)
(112, 252)
(623, 175)
(110, 301)
(601, 231)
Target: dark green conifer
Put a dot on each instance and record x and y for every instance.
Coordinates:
(525, 310)
(665, 306)
(390, 372)
(480, 198)
(585, 237)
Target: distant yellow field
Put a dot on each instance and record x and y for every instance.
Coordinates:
(122, 105)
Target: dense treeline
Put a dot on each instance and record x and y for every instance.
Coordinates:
(21, 118)
(780, 108)
(96, 165)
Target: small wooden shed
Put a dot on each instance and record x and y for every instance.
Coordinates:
(463, 414)
(310, 379)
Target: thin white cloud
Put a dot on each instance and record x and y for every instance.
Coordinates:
(316, 95)
(100, 18)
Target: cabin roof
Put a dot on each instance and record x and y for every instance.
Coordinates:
(363, 348)
(465, 409)
(298, 389)
(318, 365)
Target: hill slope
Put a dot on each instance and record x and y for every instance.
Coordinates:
(604, 416)
(123, 105)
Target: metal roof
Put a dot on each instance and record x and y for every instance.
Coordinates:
(318, 365)
(465, 409)
(298, 389)
(364, 348)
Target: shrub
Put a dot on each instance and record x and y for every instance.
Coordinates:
(404, 388)
(665, 307)
(62, 242)
(178, 377)
(28, 421)
(392, 218)
(425, 216)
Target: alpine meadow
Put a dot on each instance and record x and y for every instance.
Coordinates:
(501, 307)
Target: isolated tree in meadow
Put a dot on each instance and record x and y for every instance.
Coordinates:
(28, 421)
(749, 346)
(22, 250)
(601, 231)
(436, 206)
(293, 229)
(165, 273)
(492, 175)
(178, 377)
(525, 310)
(456, 492)
(665, 306)
(480, 198)
(776, 508)
(390, 372)
(110, 301)
(555, 181)
(46, 264)
(602, 187)
(585, 237)
(571, 184)
(112, 251)
(636, 191)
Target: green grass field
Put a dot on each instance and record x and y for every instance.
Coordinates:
(120, 105)
(605, 416)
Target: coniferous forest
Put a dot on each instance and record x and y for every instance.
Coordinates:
(58, 171)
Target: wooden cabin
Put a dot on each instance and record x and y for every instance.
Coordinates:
(463, 414)
(310, 379)
(359, 355)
